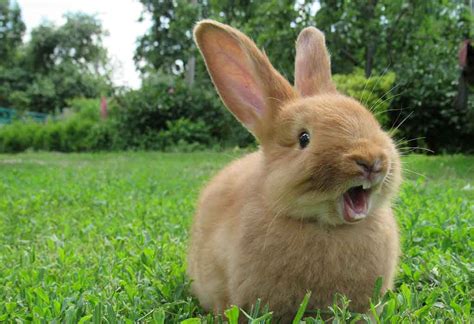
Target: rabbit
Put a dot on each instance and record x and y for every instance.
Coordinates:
(310, 210)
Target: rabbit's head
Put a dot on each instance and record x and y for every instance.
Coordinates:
(326, 157)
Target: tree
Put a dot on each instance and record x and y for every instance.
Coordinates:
(12, 29)
(168, 44)
(57, 64)
(68, 61)
(418, 40)
(78, 41)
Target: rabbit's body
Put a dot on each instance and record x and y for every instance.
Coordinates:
(311, 210)
(241, 252)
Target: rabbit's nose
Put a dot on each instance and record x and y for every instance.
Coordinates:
(369, 166)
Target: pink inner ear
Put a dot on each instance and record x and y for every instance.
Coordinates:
(305, 65)
(241, 83)
(248, 96)
(233, 72)
(312, 66)
(304, 83)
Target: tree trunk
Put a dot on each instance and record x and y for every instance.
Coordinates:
(190, 70)
(191, 65)
(369, 14)
(369, 58)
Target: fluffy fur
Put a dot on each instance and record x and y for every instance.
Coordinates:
(270, 225)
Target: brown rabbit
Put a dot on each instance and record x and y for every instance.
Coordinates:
(311, 209)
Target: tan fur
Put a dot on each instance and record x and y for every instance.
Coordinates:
(268, 225)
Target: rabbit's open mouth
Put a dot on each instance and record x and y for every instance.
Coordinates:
(355, 203)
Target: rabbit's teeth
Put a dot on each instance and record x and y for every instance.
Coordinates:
(366, 184)
(359, 216)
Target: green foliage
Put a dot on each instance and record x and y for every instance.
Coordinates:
(302, 309)
(373, 92)
(184, 134)
(17, 137)
(87, 108)
(425, 98)
(57, 63)
(12, 29)
(78, 41)
(81, 130)
(133, 124)
(429, 116)
(104, 236)
(169, 41)
(167, 111)
(232, 315)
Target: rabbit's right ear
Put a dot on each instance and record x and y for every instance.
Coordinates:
(246, 81)
(312, 66)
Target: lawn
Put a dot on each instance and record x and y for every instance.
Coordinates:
(102, 237)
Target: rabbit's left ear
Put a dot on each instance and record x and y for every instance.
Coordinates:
(248, 84)
(312, 64)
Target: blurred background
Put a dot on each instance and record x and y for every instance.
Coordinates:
(126, 75)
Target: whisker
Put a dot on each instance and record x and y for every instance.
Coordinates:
(376, 104)
(401, 123)
(365, 85)
(403, 141)
(411, 171)
(395, 122)
(388, 110)
(411, 149)
(375, 85)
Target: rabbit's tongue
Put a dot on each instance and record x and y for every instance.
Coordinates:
(356, 201)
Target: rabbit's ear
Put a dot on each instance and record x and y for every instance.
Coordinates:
(312, 66)
(244, 77)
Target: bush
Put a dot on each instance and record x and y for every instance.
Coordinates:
(373, 92)
(18, 136)
(163, 107)
(81, 131)
(48, 137)
(81, 128)
(183, 134)
(86, 108)
(425, 103)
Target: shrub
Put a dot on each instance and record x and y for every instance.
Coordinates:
(17, 136)
(425, 104)
(105, 136)
(76, 135)
(86, 108)
(373, 92)
(183, 134)
(82, 130)
(49, 137)
(168, 105)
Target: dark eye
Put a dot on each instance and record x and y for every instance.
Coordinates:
(304, 139)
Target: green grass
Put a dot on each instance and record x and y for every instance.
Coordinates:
(91, 237)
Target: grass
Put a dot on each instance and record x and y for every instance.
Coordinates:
(102, 238)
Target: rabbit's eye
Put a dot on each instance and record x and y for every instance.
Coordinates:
(304, 139)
